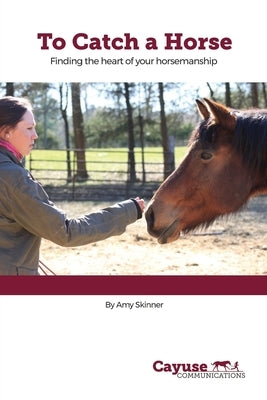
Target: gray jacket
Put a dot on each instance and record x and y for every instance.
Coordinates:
(27, 215)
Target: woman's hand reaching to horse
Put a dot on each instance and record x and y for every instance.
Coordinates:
(141, 203)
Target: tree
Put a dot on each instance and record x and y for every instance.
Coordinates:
(264, 94)
(148, 93)
(131, 141)
(254, 94)
(168, 153)
(142, 144)
(63, 109)
(79, 139)
(10, 89)
(228, 102)
(211, 91)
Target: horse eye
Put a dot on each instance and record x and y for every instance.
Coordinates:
(206, 155)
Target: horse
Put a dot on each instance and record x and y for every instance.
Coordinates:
(225, 166)
(218, 364)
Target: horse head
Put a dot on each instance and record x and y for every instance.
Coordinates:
(212, 179)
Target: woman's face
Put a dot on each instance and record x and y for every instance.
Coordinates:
(22, 137)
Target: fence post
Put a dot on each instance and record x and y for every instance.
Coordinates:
(73, 174)
(30, 163)
(170, 155)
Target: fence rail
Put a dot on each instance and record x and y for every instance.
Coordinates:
(108, 173)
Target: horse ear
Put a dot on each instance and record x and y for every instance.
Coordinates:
(221, 114)
(202, 109)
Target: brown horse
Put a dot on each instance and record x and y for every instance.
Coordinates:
(225, 166)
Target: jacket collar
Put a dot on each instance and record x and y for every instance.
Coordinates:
(10, 155)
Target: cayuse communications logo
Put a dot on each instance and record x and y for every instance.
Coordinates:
(213, 370)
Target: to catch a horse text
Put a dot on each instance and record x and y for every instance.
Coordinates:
(172, 41)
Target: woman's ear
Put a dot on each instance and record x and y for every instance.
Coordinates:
(5, 133)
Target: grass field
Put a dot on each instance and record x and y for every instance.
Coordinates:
(44, 159)
(102, 164)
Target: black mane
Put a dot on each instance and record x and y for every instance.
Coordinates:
(251, 139)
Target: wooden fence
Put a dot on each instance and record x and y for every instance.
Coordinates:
(108, 173)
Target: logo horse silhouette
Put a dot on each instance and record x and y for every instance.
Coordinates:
(218, 364)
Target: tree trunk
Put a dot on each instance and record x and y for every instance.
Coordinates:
(264, 93)
(254, 94)
(228, 102)
(79, 139)
(131, 141)
(168, 149)
(142, 144)
(10, 89)
(64, 115)
(211, 92)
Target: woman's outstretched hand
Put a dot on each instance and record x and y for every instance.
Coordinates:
(141, 203)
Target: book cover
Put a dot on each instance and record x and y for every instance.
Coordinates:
(139, 333)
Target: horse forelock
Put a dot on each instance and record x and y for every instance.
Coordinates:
(204, 133)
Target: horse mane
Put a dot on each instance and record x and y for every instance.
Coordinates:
(250, 139)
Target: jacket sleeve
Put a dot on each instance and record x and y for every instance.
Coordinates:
(31, 208)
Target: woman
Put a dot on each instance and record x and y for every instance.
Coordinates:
(27, 214)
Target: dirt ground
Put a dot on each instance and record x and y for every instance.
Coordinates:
(237, 246)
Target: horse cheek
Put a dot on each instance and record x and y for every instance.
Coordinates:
(233, 190)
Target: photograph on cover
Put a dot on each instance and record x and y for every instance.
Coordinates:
(133, 178)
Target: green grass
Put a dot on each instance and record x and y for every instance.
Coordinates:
(102, 164)
(57, 158)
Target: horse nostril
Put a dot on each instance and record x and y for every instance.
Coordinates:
(150, 217)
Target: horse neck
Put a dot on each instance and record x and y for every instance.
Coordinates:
(259, 182)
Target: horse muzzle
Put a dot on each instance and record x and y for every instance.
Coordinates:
(150, 219)
(163, 234)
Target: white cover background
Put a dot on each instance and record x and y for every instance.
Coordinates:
(22, 59)
(72, 347)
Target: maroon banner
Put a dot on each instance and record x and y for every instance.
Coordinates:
(133, 285)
